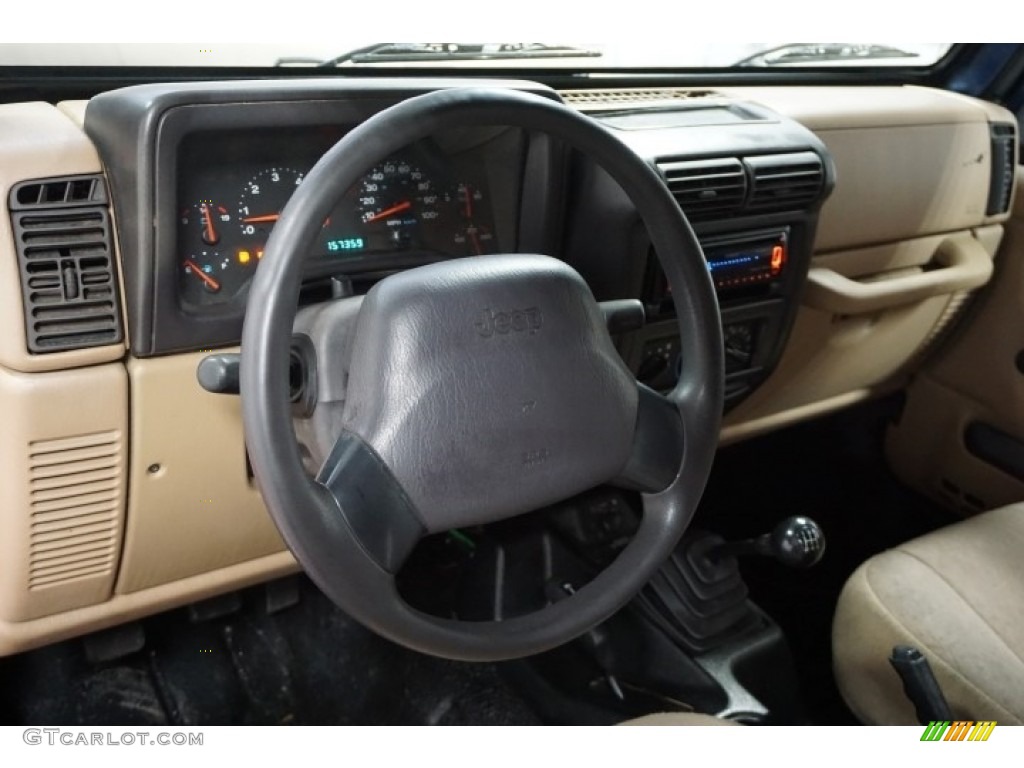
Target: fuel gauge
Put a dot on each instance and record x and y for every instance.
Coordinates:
(209, 276)
(201, 268)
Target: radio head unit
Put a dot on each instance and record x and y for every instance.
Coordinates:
(747, 261)
(748, 265)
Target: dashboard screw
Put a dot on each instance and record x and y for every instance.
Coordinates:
(153, 469)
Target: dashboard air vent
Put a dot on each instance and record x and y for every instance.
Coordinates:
(69, 287)
(606, 97)
(1004, 164)
(706, 189)
(784, 182)
(75, 490)
(59, 192)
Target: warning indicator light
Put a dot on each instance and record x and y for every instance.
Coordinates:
(243, 257)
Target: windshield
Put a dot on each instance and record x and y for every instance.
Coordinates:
(346, 53)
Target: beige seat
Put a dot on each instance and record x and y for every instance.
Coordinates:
(678, 718)
(956, 594)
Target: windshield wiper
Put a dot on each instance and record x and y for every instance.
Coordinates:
(809, 53)
(383, 53)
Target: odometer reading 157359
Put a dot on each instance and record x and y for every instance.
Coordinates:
(346, 244)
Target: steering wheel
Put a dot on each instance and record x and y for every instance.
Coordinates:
(475, 390)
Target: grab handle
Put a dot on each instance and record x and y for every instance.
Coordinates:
(963, 264)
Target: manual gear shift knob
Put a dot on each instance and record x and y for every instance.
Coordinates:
(797, 541)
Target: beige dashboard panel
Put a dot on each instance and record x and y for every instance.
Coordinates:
(75, 110)
(37, 141)
(912, 179)
(904, 182)
(63, 473)
(909, 161)
(22, 636)
(832, 360)
(192, 506)
(823, 108)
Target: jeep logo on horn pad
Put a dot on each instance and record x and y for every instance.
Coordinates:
(527, 320)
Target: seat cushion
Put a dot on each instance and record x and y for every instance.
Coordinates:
(678, 718)
(957, 595)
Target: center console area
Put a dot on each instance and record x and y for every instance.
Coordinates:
(751, 183)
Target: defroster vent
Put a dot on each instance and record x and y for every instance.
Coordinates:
(69, 286)
(605, 98)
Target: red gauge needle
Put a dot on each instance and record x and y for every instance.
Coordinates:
(212, 284)
(210, 234)
(469, 202)
(267, 217)
(476, 241)
(405, 205)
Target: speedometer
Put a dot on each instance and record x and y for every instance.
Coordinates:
(396, 200)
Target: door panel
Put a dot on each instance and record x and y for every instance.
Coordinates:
(960, 438)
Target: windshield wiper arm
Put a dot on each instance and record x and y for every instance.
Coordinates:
(381, 53)
(808, 53)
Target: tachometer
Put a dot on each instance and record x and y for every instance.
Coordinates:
(394, 201)
(261, 201)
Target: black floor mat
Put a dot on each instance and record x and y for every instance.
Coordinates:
(834, 471)
(306, 665)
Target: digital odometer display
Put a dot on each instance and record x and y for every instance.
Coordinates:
(346, 245)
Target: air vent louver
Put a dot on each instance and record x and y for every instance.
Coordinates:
(1004, 164)
(784, 182)
(707, 189)
(69, 290)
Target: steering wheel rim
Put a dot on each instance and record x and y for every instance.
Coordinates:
(330, 546)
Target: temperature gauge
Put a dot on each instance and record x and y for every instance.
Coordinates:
(205, 220)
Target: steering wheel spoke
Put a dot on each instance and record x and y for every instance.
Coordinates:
(658, 444)
(371, 501)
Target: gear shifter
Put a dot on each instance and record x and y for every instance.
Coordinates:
(797, 542)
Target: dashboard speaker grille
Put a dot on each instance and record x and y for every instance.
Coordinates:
(74, 489)
(69, 289)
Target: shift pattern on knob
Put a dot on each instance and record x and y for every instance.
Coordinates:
(797, 541)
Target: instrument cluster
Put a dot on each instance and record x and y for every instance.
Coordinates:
(418, 206)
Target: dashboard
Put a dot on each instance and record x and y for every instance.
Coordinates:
(820, 212)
